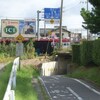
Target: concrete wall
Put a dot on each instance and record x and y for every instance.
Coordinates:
(64, 61)
(62, 65)
(59, 67)
(49, 68)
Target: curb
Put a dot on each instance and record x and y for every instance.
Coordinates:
(46, 90)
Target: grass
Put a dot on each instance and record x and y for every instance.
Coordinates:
(24, 88)
(4, 78)
(4, 58)
(92, 74)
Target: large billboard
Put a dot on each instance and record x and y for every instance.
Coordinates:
(27, 27)
(9, 28)
(12, 28)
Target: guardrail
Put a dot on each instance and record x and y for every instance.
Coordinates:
(10, 93)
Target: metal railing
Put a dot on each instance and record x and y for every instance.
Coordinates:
(10, 93)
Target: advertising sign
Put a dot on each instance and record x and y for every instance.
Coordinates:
(27, 27)
(9, 28)
(12, 28)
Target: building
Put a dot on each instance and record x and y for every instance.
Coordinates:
(68, 37)
(53, 34)
(75, 37)
(44, 32)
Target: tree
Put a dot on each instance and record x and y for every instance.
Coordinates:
(92, 18)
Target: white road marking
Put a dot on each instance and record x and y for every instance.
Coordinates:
(54, 77)
(87, 86)
(45, 88)
(74, 93)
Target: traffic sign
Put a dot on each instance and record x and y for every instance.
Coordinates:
(49, 32)
(52, 21)
(19, 38)
(51, 13)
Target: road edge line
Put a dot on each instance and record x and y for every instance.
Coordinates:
(74, 93)
(92, 89)
(45, 87)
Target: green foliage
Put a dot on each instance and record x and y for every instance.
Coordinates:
(4, 77)
(4, 58)
(12, 49)
(92, 18)
(76, 53)
(91, 74)
(96, 52)
(8, 49)
(25, 89)
(95, 3)
(29, 50)
(86, 52)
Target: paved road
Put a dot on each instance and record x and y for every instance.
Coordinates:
(63, 88)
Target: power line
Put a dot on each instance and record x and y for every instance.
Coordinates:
(72, 7)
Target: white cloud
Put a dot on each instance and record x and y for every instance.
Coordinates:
(28, 8)
(73, 21)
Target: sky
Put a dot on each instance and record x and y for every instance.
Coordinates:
(22, 9)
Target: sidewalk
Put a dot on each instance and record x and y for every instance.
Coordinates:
(40, 90)
(2, 65)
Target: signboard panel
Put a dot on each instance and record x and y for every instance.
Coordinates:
(51, 13)
(12, 28)
(27, 27)
(19, 38)
(52, 21)
(9, 28)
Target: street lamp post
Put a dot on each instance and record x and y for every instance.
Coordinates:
(60, 28)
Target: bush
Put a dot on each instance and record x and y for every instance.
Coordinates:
(96, 52)
(86, 52)
(76, 54)
(8, 49)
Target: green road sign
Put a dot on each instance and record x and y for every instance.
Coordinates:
(10, 29)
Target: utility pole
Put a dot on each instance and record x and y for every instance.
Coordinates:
(87, 28)
(44, 28)
(60, 28)
(38, 19)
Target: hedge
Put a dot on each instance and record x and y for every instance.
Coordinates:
(86, 52)
(76, 53)
(96, 52)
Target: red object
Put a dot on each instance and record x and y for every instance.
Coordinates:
(41, 39)
(55, 40)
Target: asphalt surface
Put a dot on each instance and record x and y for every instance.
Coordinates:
(63, 88)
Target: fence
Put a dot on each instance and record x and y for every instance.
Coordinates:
(10, 93)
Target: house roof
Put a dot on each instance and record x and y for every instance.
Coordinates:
(62, 29)
(52, 30)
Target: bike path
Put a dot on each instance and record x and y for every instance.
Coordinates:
(64, 88)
